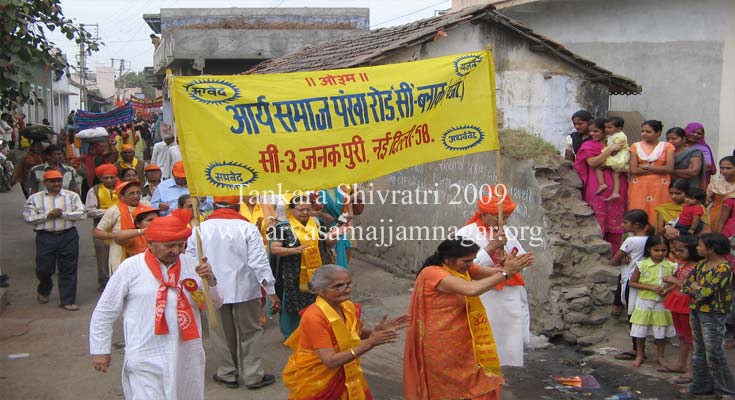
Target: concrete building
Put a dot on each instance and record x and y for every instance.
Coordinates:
(682, 52)
(221, 41)
(540, 83)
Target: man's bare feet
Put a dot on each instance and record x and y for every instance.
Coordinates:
(601, 188)
(637, 362)
(613, 196)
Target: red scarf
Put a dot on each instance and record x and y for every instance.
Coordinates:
(226, 213)
(187, 323)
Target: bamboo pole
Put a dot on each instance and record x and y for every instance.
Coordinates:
(211, 312)
(501, 222)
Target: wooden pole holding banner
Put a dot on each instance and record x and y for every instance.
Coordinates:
(211, 312)
(501, 222)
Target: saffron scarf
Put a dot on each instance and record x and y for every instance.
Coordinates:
(132, 165)
(311, 258)
(226, 213)
(187, 323)
(133, 246)
(483, 342)
(307, 378)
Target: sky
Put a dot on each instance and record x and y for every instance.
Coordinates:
(126, 35)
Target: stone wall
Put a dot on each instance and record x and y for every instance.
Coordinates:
(570, 287)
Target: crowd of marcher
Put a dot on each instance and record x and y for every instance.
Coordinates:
(662, 206)
(669, 219)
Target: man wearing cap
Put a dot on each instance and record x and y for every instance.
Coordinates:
(167, 194)
(128, 160)
(507, 303)
(152, 180)
(53, 213)
(162, 155)
(118, 218)
(100, 198)
(238, 256)
(54, 156)
(159, 294)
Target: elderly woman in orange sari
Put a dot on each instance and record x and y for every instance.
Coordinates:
(450, 351)
(325, 364)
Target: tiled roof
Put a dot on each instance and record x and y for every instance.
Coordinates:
(365, 48)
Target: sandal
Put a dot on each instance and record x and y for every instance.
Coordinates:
(70, 307)
(669, 370)
(683, 380)
(626, 355)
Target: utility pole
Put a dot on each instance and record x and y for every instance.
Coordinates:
(83, 66)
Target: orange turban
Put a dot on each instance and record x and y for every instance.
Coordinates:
(183, 214)
(231, 200)
(105, 169)
(490, 204)
(128, 147)
(167, 229)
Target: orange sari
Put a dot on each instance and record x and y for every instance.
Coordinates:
(439, 360)
(305, 376)
(646, 192)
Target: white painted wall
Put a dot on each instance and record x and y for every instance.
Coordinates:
(673, 48)
(726, 143)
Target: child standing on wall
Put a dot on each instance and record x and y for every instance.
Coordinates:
(635, 224)
(684, 249)
(650, 317)
(690, 220)
(619, 161)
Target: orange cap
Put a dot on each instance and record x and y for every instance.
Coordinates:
(178, 170)
(52, 174)
(123, 186)
(231, 200)
(141, 209)
(128, 147)
(152, 167)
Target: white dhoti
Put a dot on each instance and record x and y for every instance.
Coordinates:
(510, 319)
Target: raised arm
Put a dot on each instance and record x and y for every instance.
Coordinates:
(511, 266)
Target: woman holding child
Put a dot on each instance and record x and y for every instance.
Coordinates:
(592, 154)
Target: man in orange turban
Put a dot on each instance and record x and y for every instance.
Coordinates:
(164, 356)
(100, 198)
(128, 160)
(507, 304)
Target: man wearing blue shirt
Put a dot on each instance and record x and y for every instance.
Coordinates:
(167, 194)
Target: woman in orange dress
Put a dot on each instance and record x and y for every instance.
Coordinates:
(651, 162)
(450, 351)
(325, 364)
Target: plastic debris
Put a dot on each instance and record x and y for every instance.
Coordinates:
(574, 381)
(18, 355)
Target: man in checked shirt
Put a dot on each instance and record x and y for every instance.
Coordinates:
(53, 213)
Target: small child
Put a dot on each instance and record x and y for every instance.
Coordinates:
(635, 224)
(650, 317)
(684, 249)
(618, 161)
(710, 285)
(690, 220)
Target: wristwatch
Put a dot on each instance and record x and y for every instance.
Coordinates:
(505, 274)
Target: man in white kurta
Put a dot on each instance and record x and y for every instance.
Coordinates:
(156, 366)
(235, 248)
(506, 305)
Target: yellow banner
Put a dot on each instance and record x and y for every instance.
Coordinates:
(316, 130)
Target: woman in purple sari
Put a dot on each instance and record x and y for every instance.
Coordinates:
(695, 138)
(591, 155)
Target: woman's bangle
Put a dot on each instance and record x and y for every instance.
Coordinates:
(139, 231)
(354, 355)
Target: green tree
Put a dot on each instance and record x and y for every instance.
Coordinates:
(23, 28)
(135, 79)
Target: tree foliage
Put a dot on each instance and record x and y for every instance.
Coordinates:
(136, 79)
(23, 28)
